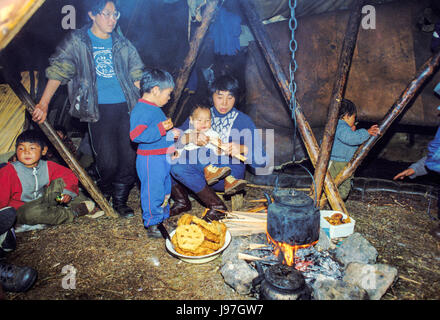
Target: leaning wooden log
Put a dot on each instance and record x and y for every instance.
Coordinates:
(423, 75)
(339, 86)
(184, 73)
(86, 181)
(13, 16)
(304, 128)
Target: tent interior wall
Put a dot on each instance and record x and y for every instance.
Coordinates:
(385, 59)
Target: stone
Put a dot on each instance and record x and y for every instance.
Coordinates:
(356, 249)
(239, 275)
(375, 279)
(324, 242)
(325, 289)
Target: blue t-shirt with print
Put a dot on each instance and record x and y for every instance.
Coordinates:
(109, 89)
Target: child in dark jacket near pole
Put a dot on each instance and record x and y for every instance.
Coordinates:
(347, 140)
(42, 192)
(151, 129)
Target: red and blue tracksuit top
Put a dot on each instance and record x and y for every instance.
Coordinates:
(152, 165)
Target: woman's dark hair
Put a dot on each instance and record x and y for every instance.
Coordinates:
(225, 83)
(31, 136)
(96, 6)
(347, 108)
(155, 77)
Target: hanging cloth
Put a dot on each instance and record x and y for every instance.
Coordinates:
(225, 32)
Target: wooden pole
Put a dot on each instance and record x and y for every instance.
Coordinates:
(14, 15)
(339, 86)
(303, 126)
(188, 64)
(423, 75)
(71, 161)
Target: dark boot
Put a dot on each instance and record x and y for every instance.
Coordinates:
(106, 190)
(121, 192)
(179, 194)
(7, 219)
(16, 279)
(213, 202)
(154, 232)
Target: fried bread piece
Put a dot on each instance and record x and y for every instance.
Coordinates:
(185, 220)
(189, 237)
(208, 226)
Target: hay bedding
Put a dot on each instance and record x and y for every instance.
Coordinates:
(115, 259)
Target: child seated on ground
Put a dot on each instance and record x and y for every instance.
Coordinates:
(200, 123)
(154, 134)
(42, 192)
(347, 140)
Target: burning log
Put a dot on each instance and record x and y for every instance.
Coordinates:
(337, 95)
(184, 73)
(303, 126)
(424, 74)
(71, 161)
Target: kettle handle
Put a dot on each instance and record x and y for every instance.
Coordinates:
(269, 199)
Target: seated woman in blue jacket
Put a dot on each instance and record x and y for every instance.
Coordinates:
(238, 133)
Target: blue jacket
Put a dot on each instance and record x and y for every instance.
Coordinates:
(147, 130)
(347, 141)
(433, 158)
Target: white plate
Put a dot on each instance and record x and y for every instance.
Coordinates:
(197, 259)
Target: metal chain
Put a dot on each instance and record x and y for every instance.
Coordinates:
(292, 68)
(293, 47)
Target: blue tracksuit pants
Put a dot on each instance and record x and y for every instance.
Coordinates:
(154, 174)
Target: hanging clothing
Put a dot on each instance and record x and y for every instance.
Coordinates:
(225, 32)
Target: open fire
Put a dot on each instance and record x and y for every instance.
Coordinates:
(287, 253)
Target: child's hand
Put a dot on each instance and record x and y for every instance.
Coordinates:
(168, 124)
(197, 138)
(404, 174)
(374, 130)
(66, 199)
(176, 133)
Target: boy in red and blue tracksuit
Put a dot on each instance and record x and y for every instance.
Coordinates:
(151, 129)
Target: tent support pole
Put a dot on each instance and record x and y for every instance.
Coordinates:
(71, 161)
(188, 64)
(339, 86)
(303, 126)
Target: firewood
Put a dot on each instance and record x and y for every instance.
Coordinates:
(248, 257)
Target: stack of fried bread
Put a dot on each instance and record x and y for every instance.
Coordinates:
(196, 237)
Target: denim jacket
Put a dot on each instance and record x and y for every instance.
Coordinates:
(73, 64)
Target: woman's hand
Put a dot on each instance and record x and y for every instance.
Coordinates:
(40, 112)
(406, 173)
(233, 148)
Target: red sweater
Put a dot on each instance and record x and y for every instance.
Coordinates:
(24, 185)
